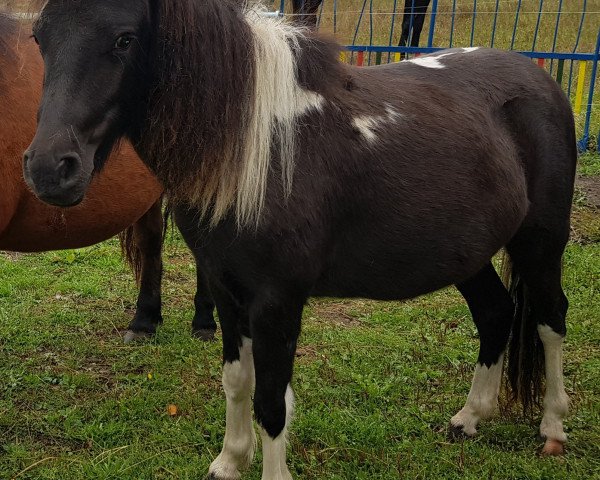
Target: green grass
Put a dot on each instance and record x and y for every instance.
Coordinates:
(376, 383)
(589, 164)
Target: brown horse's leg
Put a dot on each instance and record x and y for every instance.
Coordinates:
(203, 325)
(148, 240)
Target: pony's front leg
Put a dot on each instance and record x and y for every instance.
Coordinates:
(275, 330)
(238, 382)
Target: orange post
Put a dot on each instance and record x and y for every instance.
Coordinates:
(360, 58)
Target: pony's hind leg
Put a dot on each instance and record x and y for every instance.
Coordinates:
(541, 313)
(147, 242)
(492, 309)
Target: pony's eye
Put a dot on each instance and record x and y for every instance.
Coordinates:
(123, 42)
(35, 39)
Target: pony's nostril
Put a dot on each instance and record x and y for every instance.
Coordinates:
(68, 167)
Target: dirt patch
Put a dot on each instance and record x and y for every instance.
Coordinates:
(11, 256)
(585, 218)
(344, 312)
(590, 188)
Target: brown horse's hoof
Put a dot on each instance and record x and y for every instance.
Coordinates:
(553, 448)
(204, 334)
(131, 336)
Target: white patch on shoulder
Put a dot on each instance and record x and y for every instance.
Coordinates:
(392, 113)
(367, 125)
(470, 49)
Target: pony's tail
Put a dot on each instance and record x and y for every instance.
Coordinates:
(131, 252)
(525, 371)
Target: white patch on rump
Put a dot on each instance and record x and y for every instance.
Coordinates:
(433, 61)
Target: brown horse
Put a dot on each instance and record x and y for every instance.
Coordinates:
(124, 198)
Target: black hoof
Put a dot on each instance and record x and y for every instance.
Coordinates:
(204, 334)
(212, 476)
(456, 433)
(133, 336)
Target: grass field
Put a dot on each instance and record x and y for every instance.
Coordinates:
(376, 383)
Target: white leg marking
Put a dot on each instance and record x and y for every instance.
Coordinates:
(240, 438)
(556, 401)
(482, 399)
(274, 464)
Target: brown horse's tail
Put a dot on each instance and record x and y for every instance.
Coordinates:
(131, 252)
(525, 370)
(130, 248)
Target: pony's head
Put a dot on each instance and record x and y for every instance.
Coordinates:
(201, 89)
(96, 56)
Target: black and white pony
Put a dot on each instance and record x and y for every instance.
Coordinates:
(295, 175)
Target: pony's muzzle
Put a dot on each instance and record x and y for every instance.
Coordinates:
(55, 179)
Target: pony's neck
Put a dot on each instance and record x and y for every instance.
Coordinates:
(226, 88)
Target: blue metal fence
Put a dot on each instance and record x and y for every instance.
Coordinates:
(568, 61)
